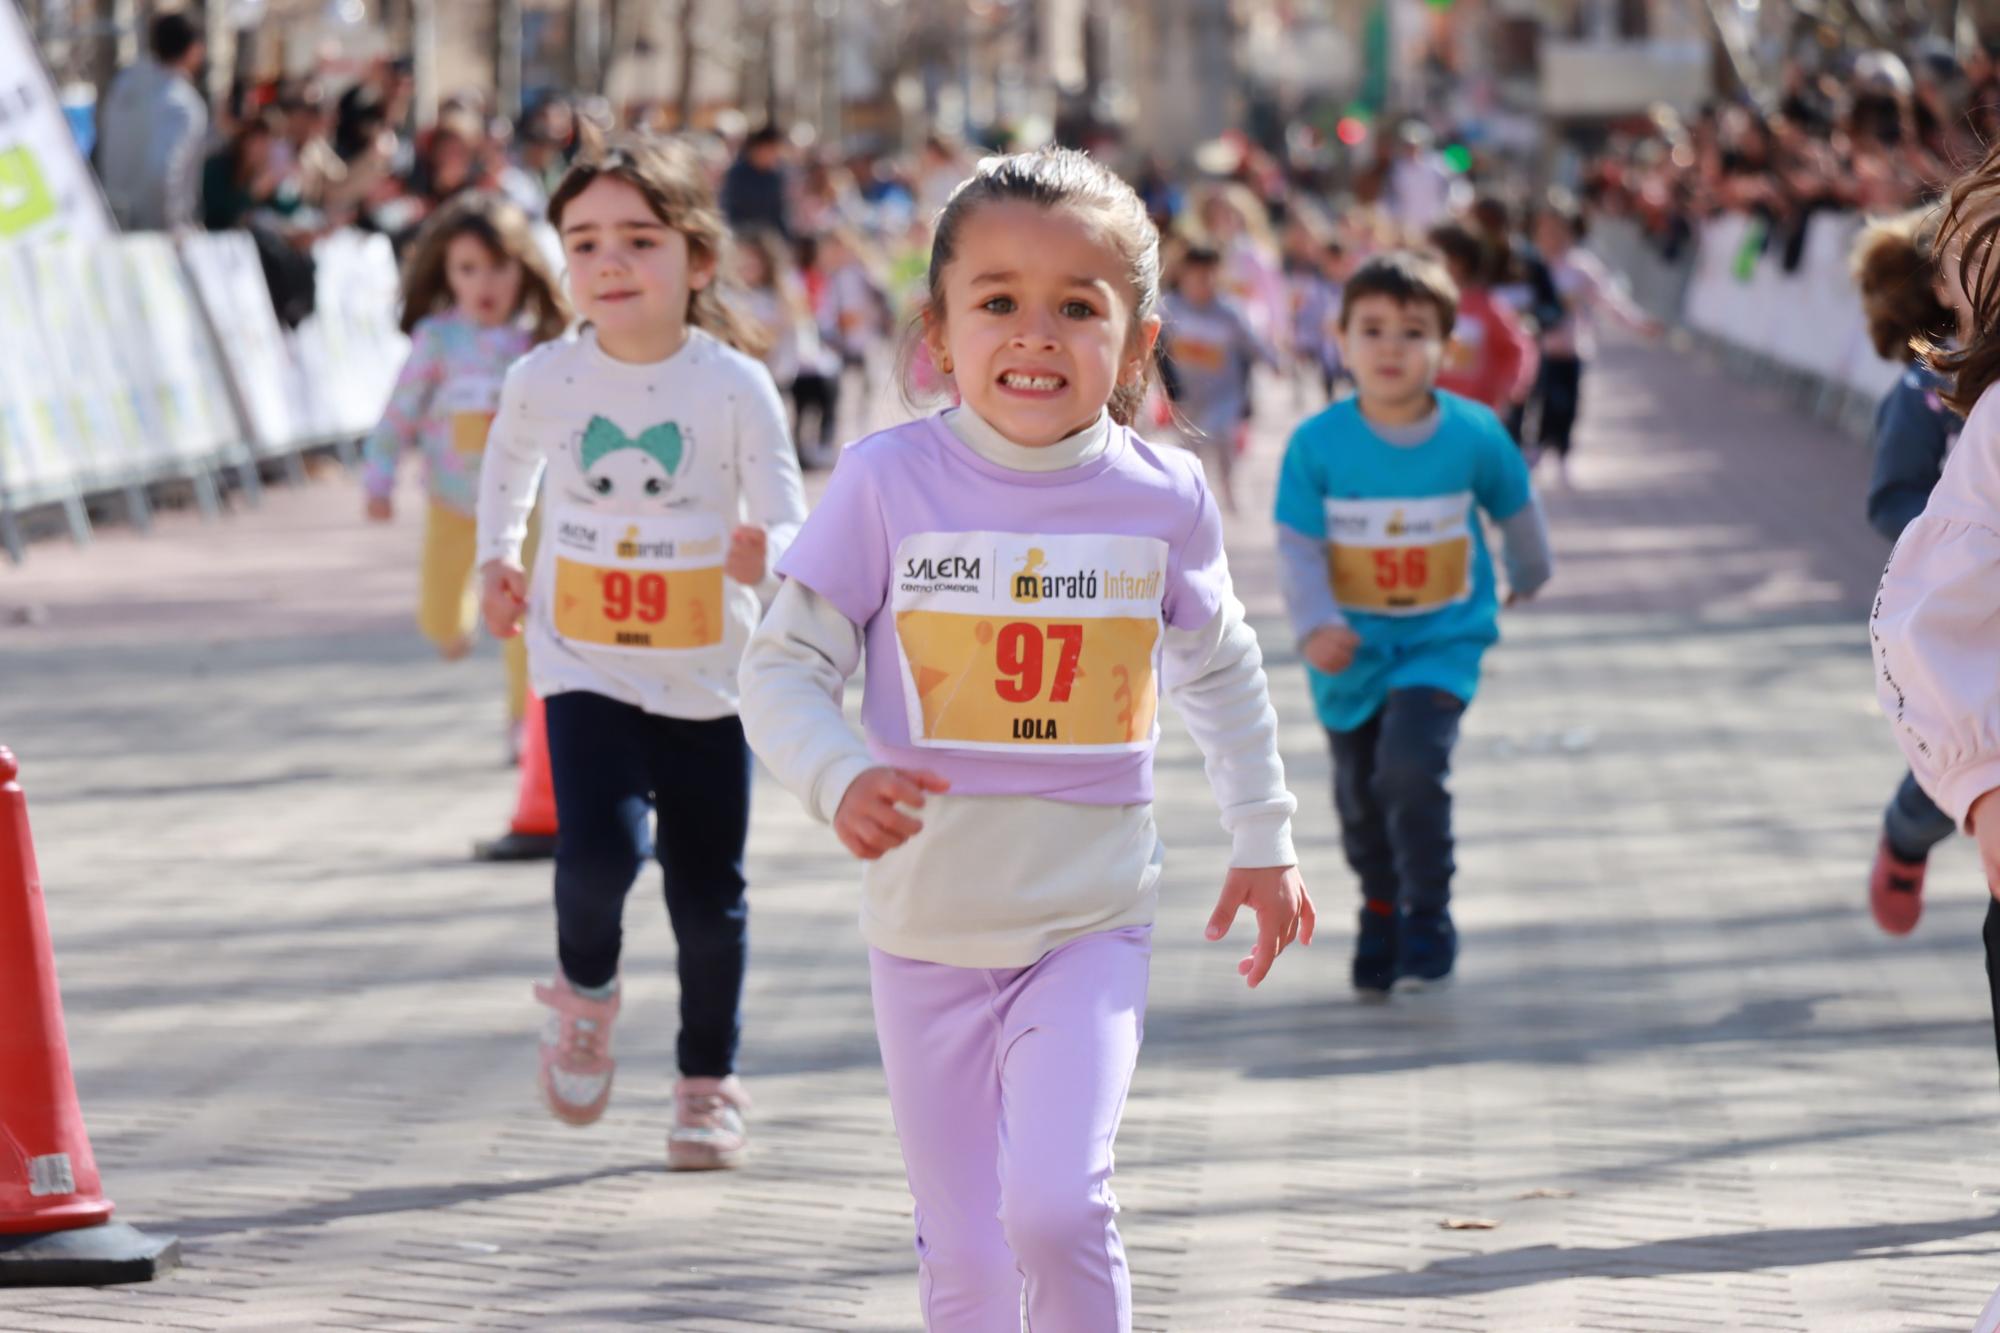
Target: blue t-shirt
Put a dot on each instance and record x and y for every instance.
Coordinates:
(1405, 549)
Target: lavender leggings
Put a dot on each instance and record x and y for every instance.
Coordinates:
(1007, 1085)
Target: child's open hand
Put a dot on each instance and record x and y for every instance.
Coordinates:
(503, 596)
(870, 821)
(381, 508)
(1284, 913)
(1330, 648)
(748, 549)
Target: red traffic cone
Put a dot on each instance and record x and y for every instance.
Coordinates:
(55, 1227)
(531, 834)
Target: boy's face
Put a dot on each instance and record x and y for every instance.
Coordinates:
(1394, 350)
(1198, 283)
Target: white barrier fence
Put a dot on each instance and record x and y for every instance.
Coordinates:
(137, 359)
(1803, 329)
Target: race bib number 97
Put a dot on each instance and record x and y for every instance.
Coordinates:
(638, 584)
(1022, 642)
(1400, 557)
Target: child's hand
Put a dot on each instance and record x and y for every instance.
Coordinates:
(1984, 818)
(381, 508)
(1284, 912)
(503, 596)
(747, 551)
(869, 821)
(1330, 648)
(1518, 598)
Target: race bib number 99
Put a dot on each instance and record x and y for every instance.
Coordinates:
(1020, 642)
(640, 584)
(1400, 557)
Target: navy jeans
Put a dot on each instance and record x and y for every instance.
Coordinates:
(1391, 779)
(612, 763)
(1913, 822)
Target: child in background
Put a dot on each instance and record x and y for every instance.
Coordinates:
(805, 369)
(1026, 576)
(1914, 432)
(1212, 348)
(853, 304)
(477, 295)
(1319, 323)
(1588, 291)
(1935, 633)
(671, 487)
(1306, 238)
(1392, 596)
(1491, 358)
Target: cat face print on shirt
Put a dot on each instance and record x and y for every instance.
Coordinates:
(632, 474)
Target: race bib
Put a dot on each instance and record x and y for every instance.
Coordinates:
(1400, 557)
(469, 403)
(1013, 642)
(1199, 354)
(638, 584)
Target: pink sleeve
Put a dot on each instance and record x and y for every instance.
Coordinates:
(1936, 626)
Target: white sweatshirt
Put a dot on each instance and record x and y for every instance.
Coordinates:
(1936, 624)
(999, 881)
(649, 470)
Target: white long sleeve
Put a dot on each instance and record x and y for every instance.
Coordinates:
(793, 671)
(1215, 676)
(509, 475)
(1936, 625)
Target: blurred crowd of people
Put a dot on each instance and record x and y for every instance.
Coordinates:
(1870, 131)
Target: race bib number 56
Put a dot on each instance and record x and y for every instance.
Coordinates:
(1024, 642)
(639, 584)
(1400, 557)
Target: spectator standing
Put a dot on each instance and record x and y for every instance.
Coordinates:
(755, 191)
(151, 129)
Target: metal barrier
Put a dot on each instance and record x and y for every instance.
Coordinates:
(138, 360)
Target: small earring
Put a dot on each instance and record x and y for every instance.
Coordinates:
(945, 365)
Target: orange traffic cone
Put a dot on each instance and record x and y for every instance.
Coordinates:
(531, 834)
(55, 1227)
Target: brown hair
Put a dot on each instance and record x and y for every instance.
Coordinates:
(1054, 178)
(1407, 278)
(1964, 247)
(1461, 247)
(1892, 266)
(504, 230)
(669, 176)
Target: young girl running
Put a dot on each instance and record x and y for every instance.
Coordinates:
(1025, 574)
(1935, 635)
(670, 486)
(1589, 291)
(1914, 431)
(807, 371)
(477, 294)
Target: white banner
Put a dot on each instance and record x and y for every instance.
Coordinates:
(46, 189)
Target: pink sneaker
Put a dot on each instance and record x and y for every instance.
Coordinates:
(576, 1052)
(708, 1132)
(1895, 891)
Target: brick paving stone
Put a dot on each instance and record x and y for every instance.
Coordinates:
(1681, 1070)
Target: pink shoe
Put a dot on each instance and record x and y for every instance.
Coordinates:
(708, 1132)
(1895, 891)
(576, 1052)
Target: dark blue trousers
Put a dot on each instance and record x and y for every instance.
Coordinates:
(1391, 788)
(612, 763)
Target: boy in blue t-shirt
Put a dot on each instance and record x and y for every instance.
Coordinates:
(1392, 597)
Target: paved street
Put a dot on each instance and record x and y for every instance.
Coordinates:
(1682, 1076)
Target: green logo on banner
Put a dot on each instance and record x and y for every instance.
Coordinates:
(24, 192)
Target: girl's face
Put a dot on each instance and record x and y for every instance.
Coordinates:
(1037, 327)
(753, 268)
(484, 284)
(1552, 236)
(630, 273)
